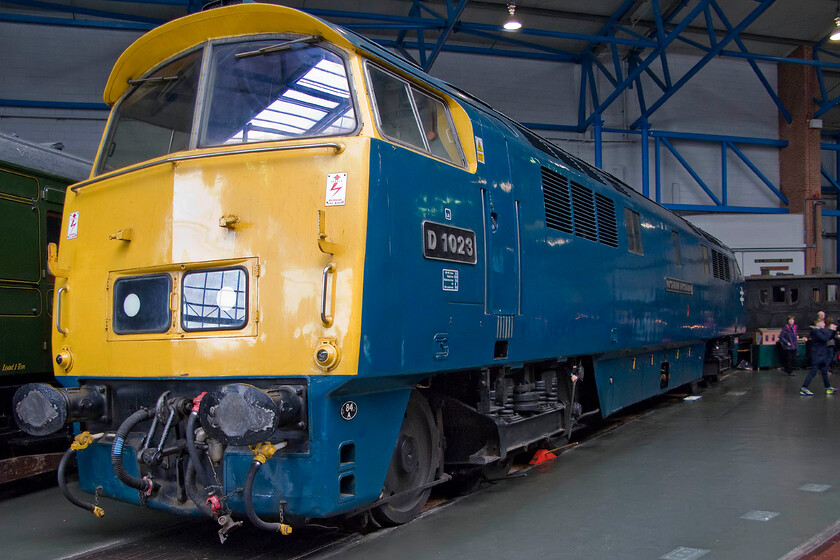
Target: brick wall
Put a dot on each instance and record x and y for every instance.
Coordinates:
(799, 162)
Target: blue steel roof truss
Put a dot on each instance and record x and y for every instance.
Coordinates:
(634, 56)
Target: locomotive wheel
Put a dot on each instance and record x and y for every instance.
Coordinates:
(413, 464)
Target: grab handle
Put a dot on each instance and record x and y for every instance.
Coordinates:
(327, 320)
(58, 310)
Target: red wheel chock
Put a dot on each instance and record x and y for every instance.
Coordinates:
(541, 456)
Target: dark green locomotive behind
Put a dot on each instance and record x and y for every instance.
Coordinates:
(33, 181)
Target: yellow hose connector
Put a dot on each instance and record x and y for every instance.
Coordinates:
(263, 452)
(98, 511)
(82, 441)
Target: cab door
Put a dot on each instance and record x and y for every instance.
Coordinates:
(501, 232)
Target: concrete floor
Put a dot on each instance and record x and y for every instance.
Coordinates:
(672, 484)
(749, 471)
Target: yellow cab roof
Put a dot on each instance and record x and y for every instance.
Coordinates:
(179, 35)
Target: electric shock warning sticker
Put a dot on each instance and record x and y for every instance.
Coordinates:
(479, 149)
(336, 189)
(73, 225)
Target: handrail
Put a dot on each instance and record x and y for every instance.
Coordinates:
(338, 147)
(58, 310)
(327, 320)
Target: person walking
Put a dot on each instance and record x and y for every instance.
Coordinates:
(790, 344)
(820, 358)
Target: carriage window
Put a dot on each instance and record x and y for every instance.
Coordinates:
(764, 296)
(301, 91)
(831, 292)
(794, 295)
(815, 294)
(779, 293)
(410, 116)
(675, 239)
(705, 259)
(634, 231)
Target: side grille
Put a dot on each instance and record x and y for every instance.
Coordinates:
(504, 327)
(558, 207)
(720, 266)
(572, 208)
(607, 229)
(584, 212)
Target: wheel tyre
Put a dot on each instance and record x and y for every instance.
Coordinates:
(413, 464)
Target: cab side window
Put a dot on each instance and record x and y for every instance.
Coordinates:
(632, 222)
(410, 116)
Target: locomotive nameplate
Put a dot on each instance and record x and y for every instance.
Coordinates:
(447, 243)
(679, 286)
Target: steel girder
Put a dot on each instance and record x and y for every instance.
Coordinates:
(616, 58)
(431, 31)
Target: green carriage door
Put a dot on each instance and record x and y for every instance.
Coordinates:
(21, 305)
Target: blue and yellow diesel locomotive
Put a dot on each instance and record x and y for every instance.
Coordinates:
(305, 280)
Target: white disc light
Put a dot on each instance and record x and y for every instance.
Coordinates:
(131, 305)
(226, 298)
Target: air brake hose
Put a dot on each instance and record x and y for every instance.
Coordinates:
(191, 491)
(144, 485)
(262, 453)
(195, 459)
(81, 442)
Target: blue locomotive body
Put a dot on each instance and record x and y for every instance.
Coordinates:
(510, 292)
(555, 277)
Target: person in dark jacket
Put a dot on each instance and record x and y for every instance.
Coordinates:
(790, 344)
(820, 357)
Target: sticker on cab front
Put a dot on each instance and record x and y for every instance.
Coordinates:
(336, 189)
(73, 225)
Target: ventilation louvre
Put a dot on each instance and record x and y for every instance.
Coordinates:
(574, 209)
(558, 207)
(583, 208)
(607, 229)
(720, 266)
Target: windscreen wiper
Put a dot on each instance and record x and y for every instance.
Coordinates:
(155, 80)
(279, 46)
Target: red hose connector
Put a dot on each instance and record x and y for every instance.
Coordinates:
(215, 503)
(197, 401)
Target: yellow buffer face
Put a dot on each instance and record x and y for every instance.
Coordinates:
(256, 212)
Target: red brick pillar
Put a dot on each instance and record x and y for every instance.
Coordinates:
(799, 162)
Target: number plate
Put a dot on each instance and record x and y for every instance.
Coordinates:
(447, 243)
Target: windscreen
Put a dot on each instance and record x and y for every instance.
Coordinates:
(256, 91)
(156, 117)
(264, 90)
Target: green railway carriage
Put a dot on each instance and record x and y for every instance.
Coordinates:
(33, 180)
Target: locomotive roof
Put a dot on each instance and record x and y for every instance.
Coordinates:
(180, 35)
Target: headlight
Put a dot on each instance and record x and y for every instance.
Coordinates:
(215, 299)
(141, 304)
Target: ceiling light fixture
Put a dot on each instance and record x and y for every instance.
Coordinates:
(835, 35)
(512, 24)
